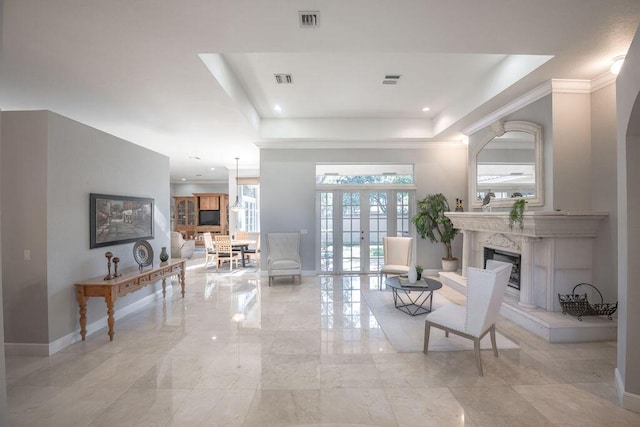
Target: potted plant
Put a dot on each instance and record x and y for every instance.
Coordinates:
(419, 271)
(431, 223)
(517, 214)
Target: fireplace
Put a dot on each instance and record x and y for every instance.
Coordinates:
(499, 255)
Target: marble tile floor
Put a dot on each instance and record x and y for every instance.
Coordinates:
(309, 354)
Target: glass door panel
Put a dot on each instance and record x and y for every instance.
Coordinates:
(353, 224)
(351, 232)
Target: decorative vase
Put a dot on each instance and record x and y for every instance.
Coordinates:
(164, 256)
(413, 275)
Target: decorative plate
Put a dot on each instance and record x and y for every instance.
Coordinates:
(143, 253)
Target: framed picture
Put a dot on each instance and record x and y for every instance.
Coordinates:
(119, 219)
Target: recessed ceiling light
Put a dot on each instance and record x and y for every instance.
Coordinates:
(213, 169)
(184, 179)
(425, 109)
(277, 108)
(194, 157)
(616, 64)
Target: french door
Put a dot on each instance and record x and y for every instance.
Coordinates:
(353, 223)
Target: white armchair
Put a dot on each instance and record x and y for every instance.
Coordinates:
(485, 292)
(181, 248)
(284, 255)
(397, 255)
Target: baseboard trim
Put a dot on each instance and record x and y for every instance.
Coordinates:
(627, 400)
(30, 349)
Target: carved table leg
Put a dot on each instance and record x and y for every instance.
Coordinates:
(82, 303)
(182, 279)
(110, 320)
(164, 287)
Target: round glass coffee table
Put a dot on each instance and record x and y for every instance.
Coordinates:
(413, 304)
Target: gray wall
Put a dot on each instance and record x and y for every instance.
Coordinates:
(287, 186)
(628, 134)
(58, 162)
(24, 226)
(3, 376)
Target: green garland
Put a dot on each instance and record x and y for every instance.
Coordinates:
(516, 214)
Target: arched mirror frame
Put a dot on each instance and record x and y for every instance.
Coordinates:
(498, 129)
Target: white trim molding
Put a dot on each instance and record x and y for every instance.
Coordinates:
(31, 349)
(539, 92)
(627, 400)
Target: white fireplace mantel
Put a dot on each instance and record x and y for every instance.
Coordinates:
(556, 250)
(536, 223)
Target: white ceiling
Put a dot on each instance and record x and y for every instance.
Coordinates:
(195, 78)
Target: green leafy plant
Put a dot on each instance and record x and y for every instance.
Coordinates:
(517, 214)
(419, 269)
(431, 222)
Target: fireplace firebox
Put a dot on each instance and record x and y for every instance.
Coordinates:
(499, 255)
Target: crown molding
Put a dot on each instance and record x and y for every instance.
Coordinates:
(318, 144)
(551, 86)
(603, 80)
(522, 101)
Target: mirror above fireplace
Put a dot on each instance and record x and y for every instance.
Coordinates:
(508, 162)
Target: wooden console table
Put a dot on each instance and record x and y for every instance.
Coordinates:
(131, 280)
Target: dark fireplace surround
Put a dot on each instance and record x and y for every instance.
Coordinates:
(504, 256)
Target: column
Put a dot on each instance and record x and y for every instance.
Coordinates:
(467, 244)
(527, 277)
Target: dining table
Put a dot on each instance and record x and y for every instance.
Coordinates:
(242, 245)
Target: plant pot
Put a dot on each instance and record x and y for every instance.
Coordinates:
(449, 264)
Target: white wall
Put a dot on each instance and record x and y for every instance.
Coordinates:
(603, 189)
(287, 186)
(188, 189)
(49, 214)
(571, 151)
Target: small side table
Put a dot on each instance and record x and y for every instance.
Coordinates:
(410, 304)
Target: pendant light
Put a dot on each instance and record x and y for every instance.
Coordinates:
(237, 206)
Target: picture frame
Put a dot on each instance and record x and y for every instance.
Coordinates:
(116, 219)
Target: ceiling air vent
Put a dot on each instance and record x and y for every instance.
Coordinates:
(309, 19)
(283, 79)
(391, 79)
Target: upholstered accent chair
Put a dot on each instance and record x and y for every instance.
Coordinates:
(485, 292)
(397, 255)
(181, 248)
(284, 255)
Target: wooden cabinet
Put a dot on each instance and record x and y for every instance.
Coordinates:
(211, 203)
(200, 213)
(184, 212)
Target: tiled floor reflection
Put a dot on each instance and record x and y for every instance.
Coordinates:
(237, 352)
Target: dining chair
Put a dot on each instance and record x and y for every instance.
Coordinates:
(253, 251)
(209, 249)
(241, 235)
(397, 256)
(224, 251)
(485, 292)
(284, 255)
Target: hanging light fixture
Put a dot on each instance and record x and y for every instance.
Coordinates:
(237, 206)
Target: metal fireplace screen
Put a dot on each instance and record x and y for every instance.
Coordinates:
(498, 255)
